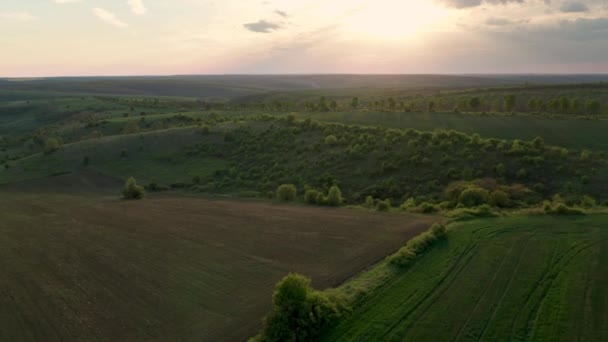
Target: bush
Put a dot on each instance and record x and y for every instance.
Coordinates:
(588, 202)
(383, 205)
(299, 313)
(311, 195)
(403, 258)
(52, 145)
(331, 140)
(334, 196)
(563, 209)
(286, 192)
(427, 208)
(132, 190)
(438, 230)
(369, 202)
(418, 245)
(409, 203)
(321, 199)
(499, 198)
(473, 196)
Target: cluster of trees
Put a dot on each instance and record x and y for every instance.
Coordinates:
(288, 193)
(396, 164)
(299, 313)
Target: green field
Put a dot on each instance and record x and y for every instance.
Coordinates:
(507, 279)
(570, 132)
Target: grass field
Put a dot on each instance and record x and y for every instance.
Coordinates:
(573, 133)
(84, 265)
(508, 279)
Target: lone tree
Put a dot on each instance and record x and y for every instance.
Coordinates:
(132, 191)
(300, 313)
(334, 197)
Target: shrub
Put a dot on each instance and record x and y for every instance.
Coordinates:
(427, 208)
(438, 230)
(409, 203)
(321, 199)
(52, 145)
(383, 205)
(521, 174)
(588, 202)
(418, 245)
(331, 140)
(473, 196)
(499, 198)
(334, 196)
(131, 190)
(86, 160)
(369, 202)
(310, 196)
(403, 258)
(299, 313)
(563, 209)
(286, 192)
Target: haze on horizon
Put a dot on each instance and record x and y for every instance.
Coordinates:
(156, 37)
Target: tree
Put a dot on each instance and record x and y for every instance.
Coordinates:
(323, 104)
(334, 196)
(392, 104)
(131, 190)
(533, 104)
(593, 107)
(473, 196)
(509, 102)
(331, 140)
(355, 103)
(333, 105)
(52, 145)
(286, 192)
(131, 127)
(474, 103)
(564, 104)
(300, 313)
(311, 195)
(431, 106)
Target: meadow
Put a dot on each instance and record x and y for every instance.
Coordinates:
(506, 279)
(80, 264)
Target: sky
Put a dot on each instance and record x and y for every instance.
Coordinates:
(169, 37)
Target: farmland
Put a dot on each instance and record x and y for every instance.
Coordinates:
(80, 264)
(199, 255)
(518, 278)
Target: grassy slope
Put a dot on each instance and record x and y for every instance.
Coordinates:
(518, 278)
(87, 266)
(573, 133)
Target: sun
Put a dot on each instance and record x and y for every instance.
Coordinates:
(396, 19)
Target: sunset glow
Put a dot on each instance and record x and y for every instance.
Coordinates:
(126, 37)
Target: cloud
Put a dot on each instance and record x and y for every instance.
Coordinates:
(137, 7)
(498, 22)
(108, 17)
(262, 26)
(17, 16)
(474, 3)
(573, 7)
(65, 1)
(281, 13)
